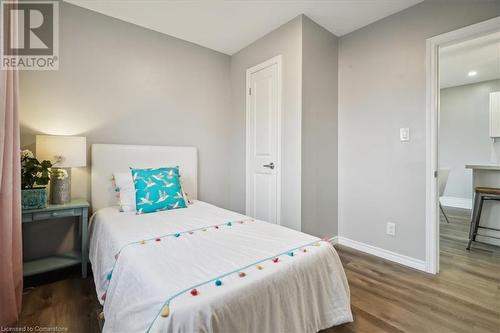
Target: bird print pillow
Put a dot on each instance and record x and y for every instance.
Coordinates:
(157, 189)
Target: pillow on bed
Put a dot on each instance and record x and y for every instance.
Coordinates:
(187, 199)
(157, 189)
(126, 191)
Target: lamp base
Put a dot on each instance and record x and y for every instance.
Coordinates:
(60, 186)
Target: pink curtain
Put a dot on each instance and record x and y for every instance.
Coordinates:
(11, 265)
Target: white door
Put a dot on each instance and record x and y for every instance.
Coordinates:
(263, 140)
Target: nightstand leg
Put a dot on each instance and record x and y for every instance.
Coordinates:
(83, 223)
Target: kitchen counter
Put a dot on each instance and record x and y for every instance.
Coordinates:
(487, 166)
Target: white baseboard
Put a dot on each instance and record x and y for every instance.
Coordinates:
(455, 202)
(334, 240)
(382, 253)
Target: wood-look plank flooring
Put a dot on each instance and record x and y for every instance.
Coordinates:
(385, 297)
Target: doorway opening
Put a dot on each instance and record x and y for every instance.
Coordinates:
(463, 73)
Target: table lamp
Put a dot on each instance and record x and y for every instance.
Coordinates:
(65, 152)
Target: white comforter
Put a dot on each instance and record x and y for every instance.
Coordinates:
(305, 292)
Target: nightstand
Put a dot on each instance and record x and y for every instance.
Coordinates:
(77, 208)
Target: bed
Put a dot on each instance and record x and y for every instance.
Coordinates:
(204, 268)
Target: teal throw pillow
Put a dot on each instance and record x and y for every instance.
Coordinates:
(157, 189)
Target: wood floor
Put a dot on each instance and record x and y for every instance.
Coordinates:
(385, 297)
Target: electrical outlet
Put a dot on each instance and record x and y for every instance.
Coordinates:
(391, 229)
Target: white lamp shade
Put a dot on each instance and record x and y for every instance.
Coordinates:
(62, 151)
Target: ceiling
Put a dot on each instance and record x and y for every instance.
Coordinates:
(480, 55)
(228, 26)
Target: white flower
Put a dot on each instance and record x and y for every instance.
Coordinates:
(60, 173)
(27, 154)
(63, 174)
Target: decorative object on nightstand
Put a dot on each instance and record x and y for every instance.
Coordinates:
(33, 172)
(66, 152)
(77, 208)
(60, 188)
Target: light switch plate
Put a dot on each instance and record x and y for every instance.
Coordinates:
(404, 134)
(391, 229)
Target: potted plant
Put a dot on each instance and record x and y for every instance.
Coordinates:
(34, 172)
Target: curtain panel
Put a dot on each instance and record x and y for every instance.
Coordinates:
(11, 274)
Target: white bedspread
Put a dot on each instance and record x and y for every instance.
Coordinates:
(305, 292)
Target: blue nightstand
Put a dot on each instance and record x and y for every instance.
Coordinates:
(77, 208)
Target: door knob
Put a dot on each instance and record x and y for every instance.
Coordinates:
(270, 165)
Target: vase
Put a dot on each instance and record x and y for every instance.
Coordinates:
(34, 198)
(60, 191)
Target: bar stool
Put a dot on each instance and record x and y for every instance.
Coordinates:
(482, 194)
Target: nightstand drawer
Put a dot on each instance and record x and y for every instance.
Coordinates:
(56, 214)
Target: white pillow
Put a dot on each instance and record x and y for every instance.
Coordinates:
(187, 199)
(126, 189)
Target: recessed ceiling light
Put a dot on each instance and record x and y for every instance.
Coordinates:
(472, 73)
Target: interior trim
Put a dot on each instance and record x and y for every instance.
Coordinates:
(382, 253)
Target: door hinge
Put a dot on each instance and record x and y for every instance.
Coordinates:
(250, 91)
(435, 174)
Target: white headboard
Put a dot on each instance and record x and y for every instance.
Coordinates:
(108, 159)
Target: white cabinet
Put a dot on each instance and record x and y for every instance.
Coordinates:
(495, 114)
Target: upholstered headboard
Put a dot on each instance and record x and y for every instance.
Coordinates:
(108, 159)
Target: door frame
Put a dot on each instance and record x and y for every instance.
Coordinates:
(432, 127)
(277, 60)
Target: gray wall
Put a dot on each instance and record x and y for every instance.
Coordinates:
(382, 88)
(120, 83)
(319, 130)
(286, 40)
(464, 136)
